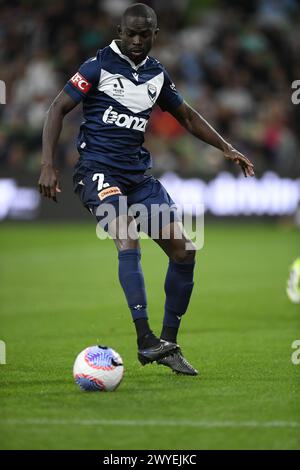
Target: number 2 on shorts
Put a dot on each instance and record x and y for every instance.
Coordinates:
(100, 178)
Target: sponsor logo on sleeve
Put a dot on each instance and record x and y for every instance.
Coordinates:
(109, 192)
(152, 91)
(80, 82)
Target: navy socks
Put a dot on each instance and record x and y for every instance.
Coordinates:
(178, 288)
(132, 280)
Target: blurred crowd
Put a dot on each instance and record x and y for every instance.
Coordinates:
(233, 61)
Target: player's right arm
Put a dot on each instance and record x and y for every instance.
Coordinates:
(75, 91)
(63, 104)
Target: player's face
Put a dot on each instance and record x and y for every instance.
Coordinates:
(137, 37)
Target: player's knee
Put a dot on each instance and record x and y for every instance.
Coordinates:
(127, 244)
(184, 256)
(124, 233)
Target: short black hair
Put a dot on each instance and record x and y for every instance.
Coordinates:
(141, 10)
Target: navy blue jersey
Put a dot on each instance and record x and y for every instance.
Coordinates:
(118, 97)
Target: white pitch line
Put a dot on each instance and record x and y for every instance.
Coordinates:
(146, 423)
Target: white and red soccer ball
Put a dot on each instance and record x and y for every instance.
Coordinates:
(98, 368)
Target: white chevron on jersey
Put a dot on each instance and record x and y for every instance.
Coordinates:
(135, 97)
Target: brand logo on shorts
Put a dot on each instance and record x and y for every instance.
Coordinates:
(109, 192)
(80, 82)
(123, 120)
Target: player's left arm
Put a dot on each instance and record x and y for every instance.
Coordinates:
(199, 127)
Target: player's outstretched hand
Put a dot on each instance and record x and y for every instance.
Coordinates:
(234, 155)
(48, 182)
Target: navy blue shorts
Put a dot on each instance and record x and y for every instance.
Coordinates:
(101, 188)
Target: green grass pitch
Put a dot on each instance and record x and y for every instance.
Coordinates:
(60, 293)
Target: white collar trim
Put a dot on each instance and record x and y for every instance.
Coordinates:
(116, 49)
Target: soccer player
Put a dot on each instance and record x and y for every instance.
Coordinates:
(118, 89)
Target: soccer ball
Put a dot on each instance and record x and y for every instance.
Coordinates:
(98, 368)
(293, 284)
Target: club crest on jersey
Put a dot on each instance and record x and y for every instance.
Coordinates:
(152, 90)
